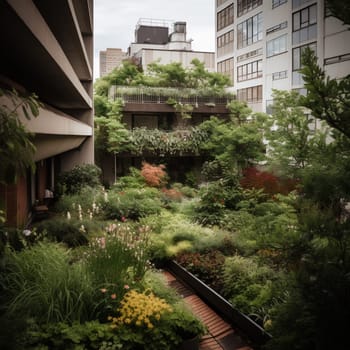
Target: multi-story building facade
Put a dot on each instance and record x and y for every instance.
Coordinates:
(47, 49)
(259, 45)
(165, 42)
(109, 59)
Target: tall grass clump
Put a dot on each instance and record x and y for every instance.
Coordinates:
(42, 283)
(118, 258)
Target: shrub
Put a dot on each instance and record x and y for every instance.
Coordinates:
(215, 198)
(207, 266)
(268, 182)
(132, 203)
(252, 288)
(80, 176)
(87, 201)
(71, 232)
(154, 175)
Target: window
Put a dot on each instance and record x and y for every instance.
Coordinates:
(225, 43)
(225, 17)
(296, 62)
(305, 24)
(244, 6)
(249, 31)
(276, 46)
(251, 95)
(226, 67)
(279, 75)
(249, 71)
(298, 3)
(249, 54)
(337, 59)
(276, 3)
(276, 28)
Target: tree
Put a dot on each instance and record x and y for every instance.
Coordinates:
(238, 141)
(292, 140)
(328, 99)
(16, 143)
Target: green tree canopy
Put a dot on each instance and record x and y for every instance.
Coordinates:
(328, 99)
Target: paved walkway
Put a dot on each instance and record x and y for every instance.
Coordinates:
(221, 336)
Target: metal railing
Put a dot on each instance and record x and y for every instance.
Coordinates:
(168, 95)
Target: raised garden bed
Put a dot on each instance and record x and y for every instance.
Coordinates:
(251, 329)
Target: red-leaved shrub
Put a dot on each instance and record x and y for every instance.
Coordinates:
(154, 175)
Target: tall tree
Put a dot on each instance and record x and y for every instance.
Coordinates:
(291, 135)
(328, 99)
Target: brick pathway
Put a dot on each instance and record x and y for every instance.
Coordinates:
(221, 336)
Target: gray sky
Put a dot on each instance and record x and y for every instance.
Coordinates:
(115, 21)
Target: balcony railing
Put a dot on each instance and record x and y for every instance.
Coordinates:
(164, 95)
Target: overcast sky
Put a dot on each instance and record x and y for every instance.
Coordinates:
(115, 21)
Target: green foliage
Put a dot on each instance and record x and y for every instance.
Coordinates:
(215, 199)
(291, 141)
(252, 288)
(73, 181)
(84, 336)
(42, 282)
(166, 143)
(71, 232)
(119, 258)
(328, 99)
(16, 143)
(132, 203)
(237, 141)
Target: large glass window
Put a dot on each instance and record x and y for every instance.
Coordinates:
(244, 6)
(276, 46)
(305, 24)
(249, 31)
(225, 17)
(296, 62)
(251, 95)
(249, 71)
(226, 67)
(225, 43)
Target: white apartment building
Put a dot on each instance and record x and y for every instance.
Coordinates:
(259, 45)
(109, 59)
(165, 42)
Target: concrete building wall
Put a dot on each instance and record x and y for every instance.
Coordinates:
(47, 49)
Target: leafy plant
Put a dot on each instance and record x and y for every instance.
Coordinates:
(155, 176)
(132, 203)
(41, 282)
(16, 143)
(80, 176)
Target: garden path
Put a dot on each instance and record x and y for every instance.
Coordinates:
(221, 335)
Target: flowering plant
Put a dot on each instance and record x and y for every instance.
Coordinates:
(140, 309)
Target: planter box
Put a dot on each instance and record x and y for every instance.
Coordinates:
(251, 329)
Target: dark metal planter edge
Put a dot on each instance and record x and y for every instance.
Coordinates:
(250, 328)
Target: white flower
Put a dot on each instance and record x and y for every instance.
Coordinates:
(68, 215)
(27, 232)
